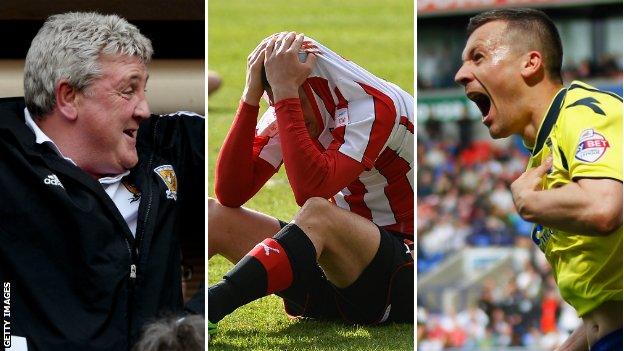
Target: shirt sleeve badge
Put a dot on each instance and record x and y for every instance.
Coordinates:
(591, 146)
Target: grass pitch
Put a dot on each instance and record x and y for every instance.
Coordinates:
(378, 35)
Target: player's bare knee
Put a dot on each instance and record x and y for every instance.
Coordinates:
(214, 209)
(211, 202)
(313, 212)
(315, 219)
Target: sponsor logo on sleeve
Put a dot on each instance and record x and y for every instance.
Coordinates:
(591, 146)
(167, 174)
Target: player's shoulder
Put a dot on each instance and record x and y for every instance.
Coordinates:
(586, 100)
(586, 105)
(579, 88)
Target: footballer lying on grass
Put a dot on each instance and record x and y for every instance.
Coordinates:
(346, 139)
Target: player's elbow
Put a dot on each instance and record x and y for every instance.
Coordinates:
(602, 208)
(301, 197)
(607, 219)
(230, 194)
(301, 191)
(229, 200)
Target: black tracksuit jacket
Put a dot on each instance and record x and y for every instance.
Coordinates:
(67, 253)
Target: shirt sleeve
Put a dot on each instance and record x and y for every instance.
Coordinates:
(180, 138)
(592, 141)
(311, 171)
(240, 171)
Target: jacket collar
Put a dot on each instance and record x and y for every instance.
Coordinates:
(41, 137)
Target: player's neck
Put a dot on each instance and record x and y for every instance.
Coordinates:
(539, 99)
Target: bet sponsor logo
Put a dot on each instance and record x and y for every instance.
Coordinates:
(591, 146)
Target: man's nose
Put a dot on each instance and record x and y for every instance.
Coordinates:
(462, 77)
(142, 109)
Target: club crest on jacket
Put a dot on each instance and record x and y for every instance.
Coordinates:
(167, 174)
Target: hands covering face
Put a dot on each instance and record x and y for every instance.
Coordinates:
(285, 70)
(253, 85)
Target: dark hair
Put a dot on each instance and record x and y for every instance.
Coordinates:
(536, 26)
(265, 81)
(303, 56)
(172, 334)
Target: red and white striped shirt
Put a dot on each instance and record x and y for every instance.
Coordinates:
(370, 121)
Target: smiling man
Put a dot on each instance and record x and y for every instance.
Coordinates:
(572, 188)
(104, 143)
(94, 190)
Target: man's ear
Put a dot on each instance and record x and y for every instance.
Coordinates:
(532, 65)
(66, 99)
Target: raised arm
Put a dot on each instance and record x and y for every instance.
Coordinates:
(240, 172)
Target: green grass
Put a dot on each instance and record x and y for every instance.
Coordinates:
(378, 35)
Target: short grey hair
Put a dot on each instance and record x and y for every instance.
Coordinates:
(171, 334)
(69, 46)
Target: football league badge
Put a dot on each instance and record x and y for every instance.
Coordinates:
(591, 146)
(167, 174)
(342, 117)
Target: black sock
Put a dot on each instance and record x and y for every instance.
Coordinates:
(289, 258)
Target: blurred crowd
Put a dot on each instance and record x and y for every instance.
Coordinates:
(526, 312)
(463, 200)
(463, 196)
(607, 66)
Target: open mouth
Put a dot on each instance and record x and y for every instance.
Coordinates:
(130, 132)
(483, 102)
